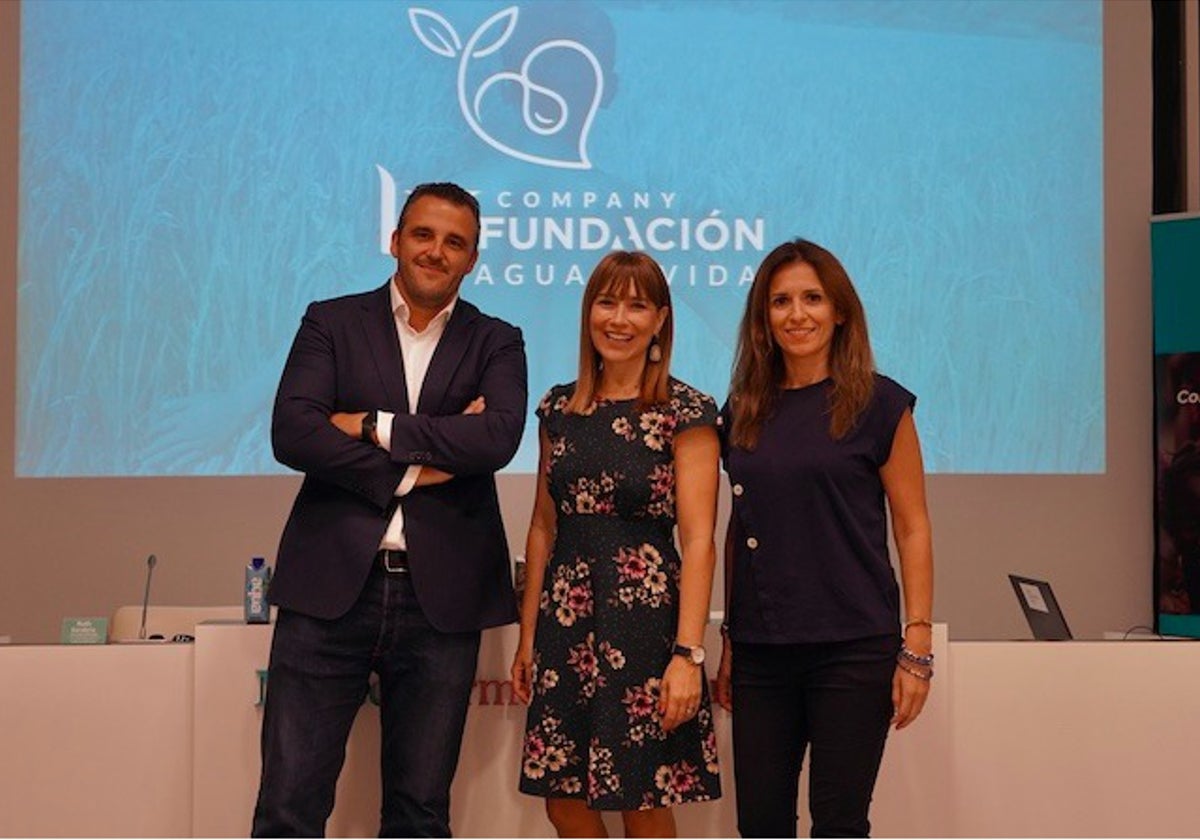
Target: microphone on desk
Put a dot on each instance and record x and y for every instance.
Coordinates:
(151, 561)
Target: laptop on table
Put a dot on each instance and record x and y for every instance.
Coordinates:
(1041, 609)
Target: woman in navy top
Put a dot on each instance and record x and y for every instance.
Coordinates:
(814, 443)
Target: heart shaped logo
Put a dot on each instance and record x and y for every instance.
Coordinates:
(535, 103)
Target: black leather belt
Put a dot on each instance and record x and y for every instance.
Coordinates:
(393, 561)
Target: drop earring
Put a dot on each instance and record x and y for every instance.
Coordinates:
(654, 354)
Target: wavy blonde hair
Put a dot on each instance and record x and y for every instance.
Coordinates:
(758, 369)
(612, 275)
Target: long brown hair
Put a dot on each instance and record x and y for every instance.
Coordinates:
(758, 369)
(612, 275)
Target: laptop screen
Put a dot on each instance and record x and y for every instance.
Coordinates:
(1041, 609)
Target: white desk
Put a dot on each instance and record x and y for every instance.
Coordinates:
(1074, 739)
(484, 800)
(96, 740)
(1020, 739)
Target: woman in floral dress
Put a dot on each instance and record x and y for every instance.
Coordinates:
(610, 657)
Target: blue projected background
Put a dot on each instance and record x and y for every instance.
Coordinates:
(193, 174)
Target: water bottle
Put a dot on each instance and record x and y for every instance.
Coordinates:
(258, 578)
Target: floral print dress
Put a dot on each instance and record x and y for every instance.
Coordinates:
(608, 611)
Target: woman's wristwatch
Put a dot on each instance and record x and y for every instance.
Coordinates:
(694, 655)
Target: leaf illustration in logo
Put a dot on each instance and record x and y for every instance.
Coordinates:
(435, 32)
(541, 112)
(504, 21)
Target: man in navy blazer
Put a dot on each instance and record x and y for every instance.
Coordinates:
(398, 405)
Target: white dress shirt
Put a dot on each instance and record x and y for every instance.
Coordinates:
(416, 350)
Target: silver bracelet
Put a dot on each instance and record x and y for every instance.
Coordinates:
(921, 675)
(915, 658)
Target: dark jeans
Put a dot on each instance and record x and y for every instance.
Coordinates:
(315, 687)
(836, 697)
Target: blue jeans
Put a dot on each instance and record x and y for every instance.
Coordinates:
(318, 679)
(836, 697)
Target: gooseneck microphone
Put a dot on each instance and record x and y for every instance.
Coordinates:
(150, 563)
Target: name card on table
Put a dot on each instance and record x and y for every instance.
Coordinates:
(84, 631)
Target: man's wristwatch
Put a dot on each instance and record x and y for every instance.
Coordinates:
(368, 427)
(694, 655)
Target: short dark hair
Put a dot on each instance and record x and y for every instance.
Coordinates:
(448, 192)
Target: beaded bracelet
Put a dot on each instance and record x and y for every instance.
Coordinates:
(916, 658)
(921, 675)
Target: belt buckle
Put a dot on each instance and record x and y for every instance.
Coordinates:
(401, 559)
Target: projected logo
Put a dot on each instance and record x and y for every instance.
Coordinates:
(532, 100)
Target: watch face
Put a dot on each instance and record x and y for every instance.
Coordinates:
(698, 655)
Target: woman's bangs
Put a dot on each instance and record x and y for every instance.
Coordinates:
(643, 285)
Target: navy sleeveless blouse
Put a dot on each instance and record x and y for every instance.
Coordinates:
(811, 560)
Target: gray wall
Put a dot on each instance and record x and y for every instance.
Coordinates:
(77, 547)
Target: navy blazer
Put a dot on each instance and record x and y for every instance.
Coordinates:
(346, 357)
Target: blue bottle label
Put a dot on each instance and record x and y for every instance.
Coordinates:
(258, 576)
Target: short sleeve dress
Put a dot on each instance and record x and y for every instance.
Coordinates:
(608, 611)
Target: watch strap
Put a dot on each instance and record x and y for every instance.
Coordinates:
(369, 422)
